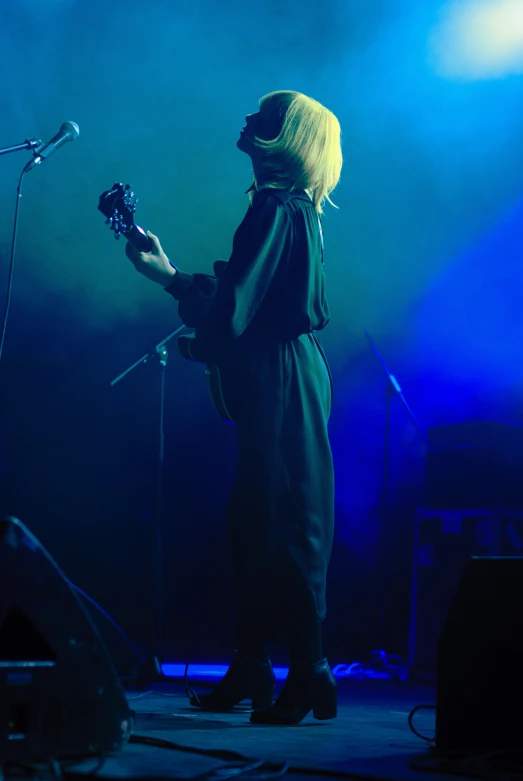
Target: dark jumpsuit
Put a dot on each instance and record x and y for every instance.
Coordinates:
(256, 320)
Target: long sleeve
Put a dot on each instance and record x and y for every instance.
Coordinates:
(261, 245)
(195, 293)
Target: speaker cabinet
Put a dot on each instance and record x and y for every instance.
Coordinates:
(480, 660)
(59, 693)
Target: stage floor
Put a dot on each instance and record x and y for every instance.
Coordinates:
(369, 739)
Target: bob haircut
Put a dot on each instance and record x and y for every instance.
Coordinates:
(306, 153)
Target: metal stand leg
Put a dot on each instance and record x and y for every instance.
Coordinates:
(152, 667)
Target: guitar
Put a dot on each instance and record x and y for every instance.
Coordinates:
(118, 205)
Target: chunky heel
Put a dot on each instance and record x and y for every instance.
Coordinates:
(261, 687)
(247, 678)
(310, 686)
(326, 710)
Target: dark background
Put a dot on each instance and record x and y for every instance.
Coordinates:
(424, 252)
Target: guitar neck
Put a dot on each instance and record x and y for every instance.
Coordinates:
(139, 239)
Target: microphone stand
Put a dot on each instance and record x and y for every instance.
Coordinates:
(152, 667)
(392, 389)
(32, 143)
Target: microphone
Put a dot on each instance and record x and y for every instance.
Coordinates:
(68, 132)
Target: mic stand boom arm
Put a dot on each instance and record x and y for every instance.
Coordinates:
(32, 143)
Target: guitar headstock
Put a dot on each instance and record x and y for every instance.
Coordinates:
(119, 205)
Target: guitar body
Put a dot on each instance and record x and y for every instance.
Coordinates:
(118, 205)
(216, 391)
(214, 379)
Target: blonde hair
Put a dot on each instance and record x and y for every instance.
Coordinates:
(306, 155)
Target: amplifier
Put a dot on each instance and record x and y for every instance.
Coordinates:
(444, 541)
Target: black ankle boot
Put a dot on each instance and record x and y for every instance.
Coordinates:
(309, 686)
(247, 677)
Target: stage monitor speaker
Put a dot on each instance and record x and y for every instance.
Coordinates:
(479, 701)
(59, 693)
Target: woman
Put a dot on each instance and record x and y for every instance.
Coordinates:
(256, 320)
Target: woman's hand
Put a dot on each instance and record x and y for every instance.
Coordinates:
(154, 264)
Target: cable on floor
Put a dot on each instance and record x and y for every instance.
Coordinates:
(380, 665)
(506, 765)
(411, 722)
(275, 770)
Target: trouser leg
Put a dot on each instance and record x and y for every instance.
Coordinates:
(305, 641)
(253, 634)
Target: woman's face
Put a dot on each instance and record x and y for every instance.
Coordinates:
(260, 125)
(249, 130)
